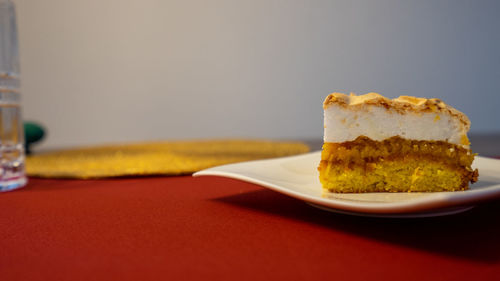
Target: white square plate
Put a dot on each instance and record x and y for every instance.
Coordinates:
(297, 176)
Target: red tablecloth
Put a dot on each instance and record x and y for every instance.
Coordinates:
(184, 228)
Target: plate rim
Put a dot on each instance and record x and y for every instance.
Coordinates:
(426, 203)
(425, 214)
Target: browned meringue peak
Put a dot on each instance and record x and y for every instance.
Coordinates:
(402, 104)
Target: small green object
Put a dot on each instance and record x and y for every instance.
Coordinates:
(32, 133)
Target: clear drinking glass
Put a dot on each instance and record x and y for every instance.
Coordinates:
(12, 173)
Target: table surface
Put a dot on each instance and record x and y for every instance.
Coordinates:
(160, 228)
(172, 228)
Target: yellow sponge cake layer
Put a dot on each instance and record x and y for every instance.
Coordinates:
(395, 165)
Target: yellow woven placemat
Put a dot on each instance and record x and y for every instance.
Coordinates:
(158, 158)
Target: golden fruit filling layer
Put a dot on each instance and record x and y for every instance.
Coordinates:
(395, 165)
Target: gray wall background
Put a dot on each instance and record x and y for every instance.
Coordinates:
(119, 71)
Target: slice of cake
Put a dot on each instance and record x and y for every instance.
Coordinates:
(407, 144)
